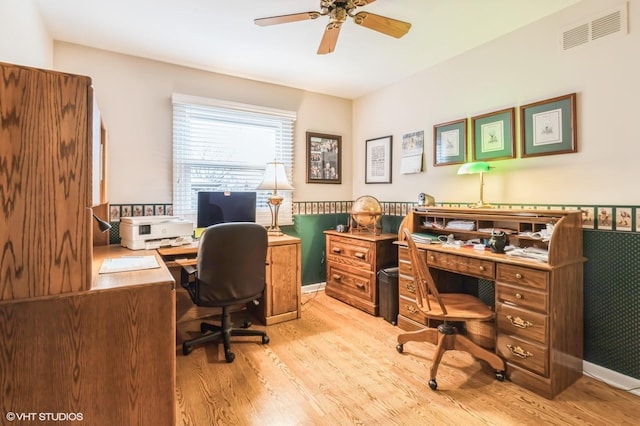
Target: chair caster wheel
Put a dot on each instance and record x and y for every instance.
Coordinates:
(265, 340)
(229, 356)
(433, 384)
(500, 376)
(186, 349)
(246, 324)
(399, 348)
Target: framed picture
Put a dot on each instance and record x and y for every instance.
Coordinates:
(377, 168)
(324, 153)
(450, 143)
(494, 135)
(549, 127)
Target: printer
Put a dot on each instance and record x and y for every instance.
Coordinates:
(152, 232)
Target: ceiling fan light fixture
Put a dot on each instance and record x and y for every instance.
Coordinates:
(338, 12)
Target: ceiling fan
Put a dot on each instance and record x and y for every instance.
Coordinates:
(338, 12)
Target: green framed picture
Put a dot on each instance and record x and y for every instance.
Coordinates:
(450, 143)
(494, 135)
(549, 127)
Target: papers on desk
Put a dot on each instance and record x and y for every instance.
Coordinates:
(128, 263)
(424, 238)
(532, 253)
(461, 225)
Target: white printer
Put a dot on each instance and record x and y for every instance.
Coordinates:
(152, 232)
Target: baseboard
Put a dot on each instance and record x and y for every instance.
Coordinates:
(612, 378)
(313, 288)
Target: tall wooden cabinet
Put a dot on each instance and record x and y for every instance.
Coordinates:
(73, 341)
(538, 304)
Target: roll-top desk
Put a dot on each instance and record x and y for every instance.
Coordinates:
(538, 305)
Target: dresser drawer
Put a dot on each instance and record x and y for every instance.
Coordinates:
(461, 264)
(351, 251)
(524, 354)
(525, 324)
(351, 281)
(522, 276)
(522, 297)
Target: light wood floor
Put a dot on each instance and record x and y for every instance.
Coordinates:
(339, 366)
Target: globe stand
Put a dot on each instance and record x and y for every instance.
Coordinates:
(365, 222)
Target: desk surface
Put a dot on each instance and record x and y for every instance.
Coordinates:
(190, 249)
(153, 276)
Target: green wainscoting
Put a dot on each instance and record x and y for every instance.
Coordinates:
(612, 300)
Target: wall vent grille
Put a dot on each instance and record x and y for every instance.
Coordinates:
(606, 24)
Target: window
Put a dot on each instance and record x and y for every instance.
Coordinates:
(225, 146)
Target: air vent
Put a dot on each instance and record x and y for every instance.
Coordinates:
(606, 24)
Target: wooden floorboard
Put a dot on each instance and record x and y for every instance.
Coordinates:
(338, 366)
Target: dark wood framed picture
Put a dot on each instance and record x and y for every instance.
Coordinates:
(494, 135)
(549, 127)
(324, 158)
(450, 143)
(377, 167)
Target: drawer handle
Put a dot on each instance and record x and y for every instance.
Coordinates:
(519, 276)
(519, 322)
(519, 352)
(482, 268)
(359, 255)
(337, 277)
(411, 288)
(432, 258)
(519, 296)
(412, 309)
(336, 250)
(360, 286)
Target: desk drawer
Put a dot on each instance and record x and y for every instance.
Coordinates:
(522, 297)
(352, 281)
(409, 309)
(524, 354)
(522, 323)
(351, 251)
(461, 264)
(522, 276)
(407, 287)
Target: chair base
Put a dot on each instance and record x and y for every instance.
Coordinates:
(446, 338)
(222, 333)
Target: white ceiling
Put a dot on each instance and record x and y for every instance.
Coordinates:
(220, 36)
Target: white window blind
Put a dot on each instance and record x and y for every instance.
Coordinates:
(225, 146)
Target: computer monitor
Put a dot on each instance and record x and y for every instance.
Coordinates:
(218, 207)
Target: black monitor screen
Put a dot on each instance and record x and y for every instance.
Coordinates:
(218, 207)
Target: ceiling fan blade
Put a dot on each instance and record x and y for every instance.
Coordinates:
(330, 38)
(382, 24)
(360, 3)
(283, 19)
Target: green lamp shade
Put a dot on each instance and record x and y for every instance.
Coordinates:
(473, 168)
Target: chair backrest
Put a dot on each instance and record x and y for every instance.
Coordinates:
(231, 263)
(426, 289)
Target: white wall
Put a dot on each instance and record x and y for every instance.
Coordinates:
(24, 40)
(522, 67)
(134, 95)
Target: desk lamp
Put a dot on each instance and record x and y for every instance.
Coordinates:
(103, 225)
(474, 168)
(275, 178)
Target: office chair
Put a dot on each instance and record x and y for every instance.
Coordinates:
(446, 307)
(230, 271)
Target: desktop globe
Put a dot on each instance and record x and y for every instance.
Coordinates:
(365, 215)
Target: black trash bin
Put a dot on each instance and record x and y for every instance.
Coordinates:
(388, 294)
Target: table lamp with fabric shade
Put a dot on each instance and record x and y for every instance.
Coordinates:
(275, 178)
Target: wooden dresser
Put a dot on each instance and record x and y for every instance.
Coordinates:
(538, 305)
(353, 262)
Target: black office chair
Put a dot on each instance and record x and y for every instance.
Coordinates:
(230, 271)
